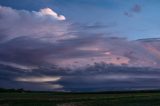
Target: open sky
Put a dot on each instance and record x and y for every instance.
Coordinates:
(37, 35)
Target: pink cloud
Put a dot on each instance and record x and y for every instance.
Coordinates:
(136, 8)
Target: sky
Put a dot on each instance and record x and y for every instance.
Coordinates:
(45, 43)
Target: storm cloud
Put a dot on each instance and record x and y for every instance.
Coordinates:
(31, 39)
(98, 77)
(42, 49)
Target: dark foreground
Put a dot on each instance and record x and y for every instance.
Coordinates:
(81, 99)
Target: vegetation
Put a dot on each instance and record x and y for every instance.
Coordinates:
(128, 98)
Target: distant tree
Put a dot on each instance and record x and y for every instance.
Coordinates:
(20, 90)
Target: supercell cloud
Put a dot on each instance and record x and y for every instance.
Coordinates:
(30, 38)
(38, 48)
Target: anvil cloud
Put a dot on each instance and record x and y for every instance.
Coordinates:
(36, 38)
(34, 41)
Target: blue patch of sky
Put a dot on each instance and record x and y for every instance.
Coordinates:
(144, 24)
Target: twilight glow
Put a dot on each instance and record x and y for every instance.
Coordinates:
(65, 45)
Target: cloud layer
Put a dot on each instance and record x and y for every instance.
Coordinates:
(44, 25)
(30, 39)
(99, 77)
(33, 43)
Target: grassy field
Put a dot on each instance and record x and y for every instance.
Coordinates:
(69, 99)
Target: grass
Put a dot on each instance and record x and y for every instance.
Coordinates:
(84, 99)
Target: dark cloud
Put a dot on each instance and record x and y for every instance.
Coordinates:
(34, 46)
(91, 78)
(135, 9)
(128, 14)
(43, 38)
(95, 26)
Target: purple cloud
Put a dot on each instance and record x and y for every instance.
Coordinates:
(135, 9)
(30, 39)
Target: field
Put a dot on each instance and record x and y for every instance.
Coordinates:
(80, 99)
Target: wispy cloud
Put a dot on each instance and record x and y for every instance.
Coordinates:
(135, 9)
(38, 79)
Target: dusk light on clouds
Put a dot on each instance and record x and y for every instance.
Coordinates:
(62, 44)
